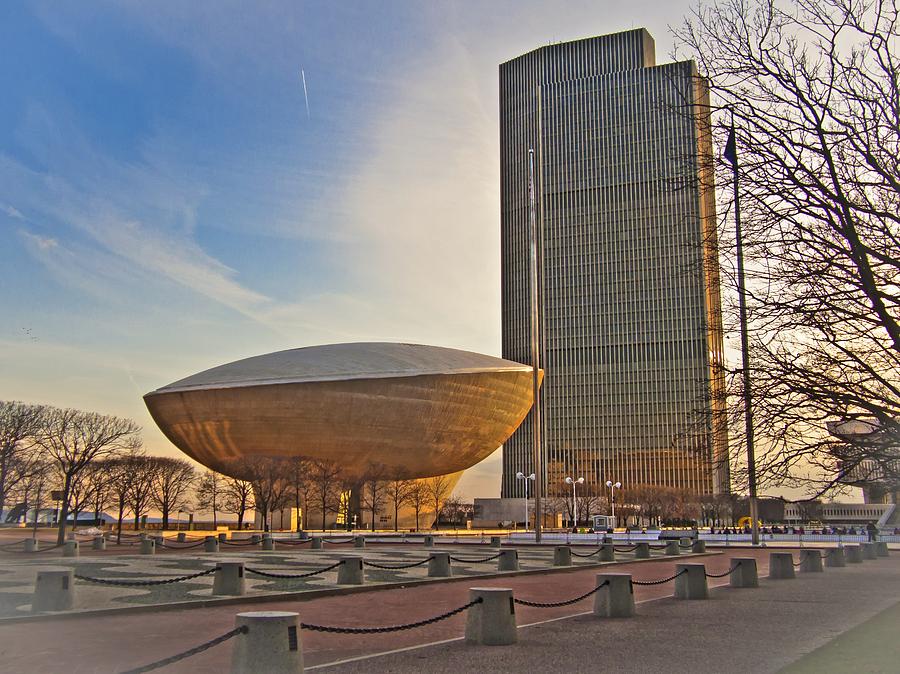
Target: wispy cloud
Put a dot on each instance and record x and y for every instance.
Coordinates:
(11, 211)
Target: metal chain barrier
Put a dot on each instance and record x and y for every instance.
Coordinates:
(243, 629)
(283, 541)
(145, 583)
(475, 561)
(267, 574)
(727, 573)
(14, 543)
(337, 542)
(830, 552)
(37, 552)
(626, 549)
(685, 547)
(798, 564)
(590, 554)
(657, 547)
(238, 544)
(392, 628)
(659, 582)
(557, 604)
(182, 547)
(400, 566)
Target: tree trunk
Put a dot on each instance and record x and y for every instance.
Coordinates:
(396, 514)
(119, 522)
(241, 517)
(61, 533)
(165, 518)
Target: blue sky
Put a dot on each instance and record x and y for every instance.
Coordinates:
(167, 203)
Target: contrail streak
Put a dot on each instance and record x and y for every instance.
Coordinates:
(305, 94)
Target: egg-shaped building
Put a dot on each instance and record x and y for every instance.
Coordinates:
(418, 411)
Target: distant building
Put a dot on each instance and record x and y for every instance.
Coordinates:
(630, 315)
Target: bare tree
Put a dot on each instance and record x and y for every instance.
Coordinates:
(121, 477)
(298, 474)
(397, 494)
(19, 424)
(139, 496)
(210, 493)
(417, 496)
(73, 439)
(374, 491)
(271, 489)
(238, 498)
(456, 510)
(812, 86)
(325, 477)
(173, 481)
(438, 489)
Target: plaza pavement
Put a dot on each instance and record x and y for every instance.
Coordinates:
(747, 630)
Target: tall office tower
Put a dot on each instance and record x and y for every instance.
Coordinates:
(629, 308)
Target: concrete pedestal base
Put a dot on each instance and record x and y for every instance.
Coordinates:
(881, 549)
(439, 565)
(99, 543)
(853, 553)
(359, 542)
(350, 572)
(316, 543)
(811, 561)
(211, 544)
(271, 644)
(54, 591)
(32, 545)
(495, 541)
(148, 546)
(642, 551)
(229, 579)
(698, 546)
(746, 574)
(781, 565)
(223, 537)
(835, 558)
(429, 541)
(493, 621)
(508, 561)
(616, 600)
(692, 584)
(181, 538)
(672, 548)
(70, 549)
(868, 550)
(255, 539)
(562, 555)
(268, 543)
(607, 553)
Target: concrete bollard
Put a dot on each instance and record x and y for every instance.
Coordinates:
(692, 583)
(32, 545)
(562, 555)
(642, 551)
(881, 549)
(698, 546)
(781, 565)
(616, 600)
(429, 541)
(99, 543)
(271, 644)
(607, 552)
(148, 546)
(508, 560)
(685, 543)
(182, 537)
(316, 543)
(493, 621)
(439, 565)
(223, 537)
(672, 548)
(359, 542)
(835, 558)
(54, 591)
(210, 544)
(811, 561)
(229, 578)
(268, 543)
(746, 574)
(853, 554)
(868, 551)
(350, 572)
(495, 541)
(70, 549)
(255, 539)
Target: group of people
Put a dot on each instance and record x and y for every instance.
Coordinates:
(870, 529)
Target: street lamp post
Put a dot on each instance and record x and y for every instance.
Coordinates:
(612, 497)
(522, 476)
(573, 482)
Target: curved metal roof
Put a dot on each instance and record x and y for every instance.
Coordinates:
(334, 362)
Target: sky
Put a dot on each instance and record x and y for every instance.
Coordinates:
(187, 184)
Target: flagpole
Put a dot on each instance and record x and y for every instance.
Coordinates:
(535, 350)
(745, 339)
